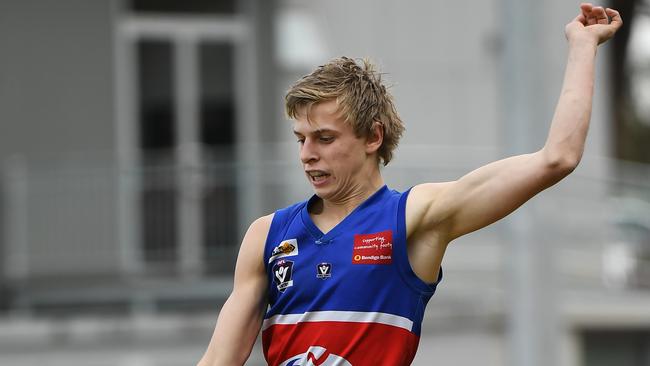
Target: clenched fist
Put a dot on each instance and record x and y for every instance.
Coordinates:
(594, 24)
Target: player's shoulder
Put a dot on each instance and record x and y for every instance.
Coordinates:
(262, 224)
(255, 238)
(261, 227)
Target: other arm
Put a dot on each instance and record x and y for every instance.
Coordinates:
(440, 212)
(240, 319)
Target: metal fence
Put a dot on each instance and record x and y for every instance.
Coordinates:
(64, 227)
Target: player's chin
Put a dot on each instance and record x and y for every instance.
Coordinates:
(323, 192)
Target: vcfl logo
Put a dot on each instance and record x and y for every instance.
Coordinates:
(324, 270)
(316, 356)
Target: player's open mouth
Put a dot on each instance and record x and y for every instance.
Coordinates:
(317, 176)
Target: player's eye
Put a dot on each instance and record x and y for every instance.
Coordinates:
(326, 139)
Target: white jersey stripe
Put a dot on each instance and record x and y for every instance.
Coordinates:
(340, 316)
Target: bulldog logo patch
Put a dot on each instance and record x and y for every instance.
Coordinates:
(282, 272)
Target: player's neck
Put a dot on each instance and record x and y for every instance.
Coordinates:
(341, 205)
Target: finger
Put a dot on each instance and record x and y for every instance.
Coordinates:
(591, 19)
(586, 9)
(580, 19)
(599, 13)
(617, 21)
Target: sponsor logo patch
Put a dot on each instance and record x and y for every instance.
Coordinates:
(286, 248)
(316, 355)
(376, 248)
(282, 272)
(324, 270)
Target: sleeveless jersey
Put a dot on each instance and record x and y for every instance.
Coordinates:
(346, 297)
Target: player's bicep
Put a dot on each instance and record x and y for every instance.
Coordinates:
(250, 281)
(250, 260)
(491, 192)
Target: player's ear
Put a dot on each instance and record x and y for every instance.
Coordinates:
(375, 137)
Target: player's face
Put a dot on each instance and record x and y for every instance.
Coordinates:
(334, 159)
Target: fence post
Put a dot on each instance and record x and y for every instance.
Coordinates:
(16, 225)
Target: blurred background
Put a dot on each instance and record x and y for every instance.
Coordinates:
(139, 138)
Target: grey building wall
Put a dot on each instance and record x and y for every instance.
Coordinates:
(56, 79)
(56, 115)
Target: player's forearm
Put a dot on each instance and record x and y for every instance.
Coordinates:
(228, 349)
(568, 131)
(237, 328)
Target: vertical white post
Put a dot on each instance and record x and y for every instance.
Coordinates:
(531, 313)
(247, 124)
(126, 140)
(188, 159)
(17, 231)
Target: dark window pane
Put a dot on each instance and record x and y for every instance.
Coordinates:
(616, 347)
(217, 94)
(156, 94)
(220, 221)
(158, 202)
(184, 6)
(217, 129)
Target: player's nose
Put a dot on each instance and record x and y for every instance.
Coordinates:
(308, 152)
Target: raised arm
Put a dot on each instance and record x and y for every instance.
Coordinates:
(241, 316)
(440, 212)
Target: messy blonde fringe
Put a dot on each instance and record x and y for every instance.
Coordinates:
(362, 98)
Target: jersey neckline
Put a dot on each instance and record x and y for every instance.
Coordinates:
(323, 238)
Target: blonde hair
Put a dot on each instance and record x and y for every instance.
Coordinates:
(360, 94)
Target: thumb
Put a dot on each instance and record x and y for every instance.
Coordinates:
(617, 21)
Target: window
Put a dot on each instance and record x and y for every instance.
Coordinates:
(180, 132)
(616, 347)
(176, 7)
